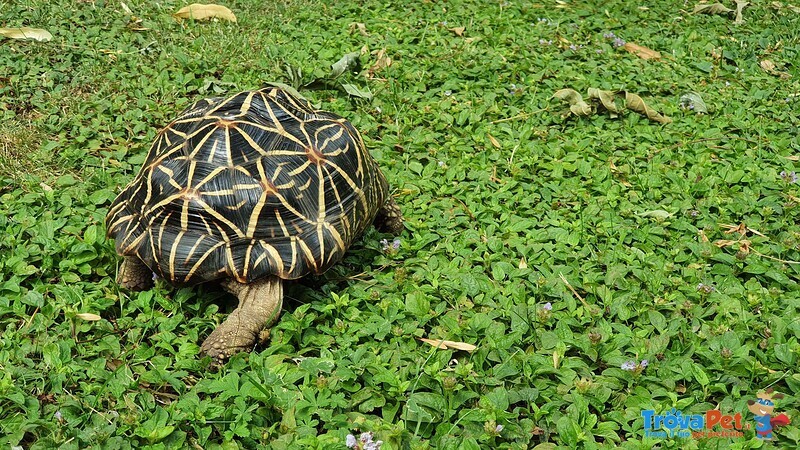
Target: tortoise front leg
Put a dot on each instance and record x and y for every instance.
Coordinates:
(134, 275)
(389, 218)
(259, 306)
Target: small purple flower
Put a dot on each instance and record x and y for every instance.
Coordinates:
(441, 164)
(395, 244)
(498, 429)
(789, 177)
(694, 213)
(628, 365)
(573, 47)
(384, 244)
(599, 51)
(58, 416)
(643, 364)
(373, 445)
(155, 276)
(619, 42)
(609, 35)
(545, 42)
(547, 306)
(365, 437)
(350, 441)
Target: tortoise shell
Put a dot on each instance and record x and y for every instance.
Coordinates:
(256, 184)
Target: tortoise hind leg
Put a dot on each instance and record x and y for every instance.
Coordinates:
(389, 218)
(134, 275)
(259, 306)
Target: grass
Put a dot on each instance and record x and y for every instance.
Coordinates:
(563, 247)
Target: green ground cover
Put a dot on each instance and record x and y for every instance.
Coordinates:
(568, 249)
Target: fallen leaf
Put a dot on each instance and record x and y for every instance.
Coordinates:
(493, 140)
(575, 100)
(635, 103)
(25, 33)
(358, 26)
(382, 61)
(125, 8)
(348, 61)
(459, 31)
(739, 7)
(769, 67)
(605, 97)
(724, 242)
(88, 317)
(711, 8)
(522, 263)
(641, 52)
(199, 11)
(441, 343)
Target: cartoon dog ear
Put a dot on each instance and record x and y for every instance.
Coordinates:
(769, 390)
(777, 396)
(751, 402)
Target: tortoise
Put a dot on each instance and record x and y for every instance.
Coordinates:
(249, 190)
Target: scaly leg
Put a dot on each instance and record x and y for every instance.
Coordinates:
(259, 306)
(389, 218)
(134, 275)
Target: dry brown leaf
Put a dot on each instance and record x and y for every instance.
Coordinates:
(605, 97)
(25, 33)
(730, 229)
(441, 343)
(459, 31)
(88, 317)
(635, 103)
(575, 100)
(642, 52)
(382, 61)
(522, 263)
(200, 11)
(769, 67)
(711, 8)
(493, 140)
(724, 242)
(362, 29)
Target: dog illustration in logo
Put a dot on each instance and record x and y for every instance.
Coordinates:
(762, 409)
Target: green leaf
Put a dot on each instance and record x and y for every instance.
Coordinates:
(357, 92)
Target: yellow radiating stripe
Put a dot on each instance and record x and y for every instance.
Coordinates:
(220, 217)
(327, 140)
(293, 241)
(135, 243)
(253, 222)
(246, 104)
(173, 253)
(193, 249)
(120, 220)
(200, 261)
(301, 168)
(246, 262)
(210, 176)
(232, 263)
(228, 147)
(280, 221)
(360, 193)
(308, 254)
(292, 209)
(320, 209)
